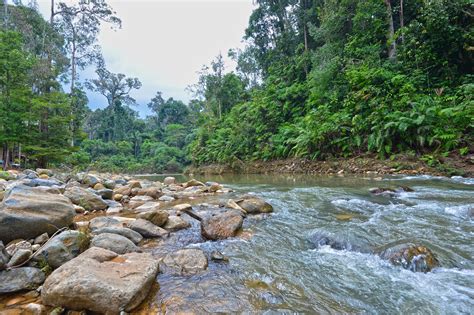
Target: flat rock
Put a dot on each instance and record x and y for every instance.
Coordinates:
(135, 237)
(138, 201)
(101, 222)
(117, 243)
(221, 226)
(185, 261)
(63, 247)
(149, 206)
(27, 212)
(24, 278)
(182, 207)
(109, 283)
(166, 198)
(147, 229)
(85, 198)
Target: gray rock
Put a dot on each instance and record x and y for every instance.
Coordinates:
(4, 257)
(147, 229)
(19, 257)
(157, 217)
(43, 238)
(62, 248)
(89, 180)
(166, 198)
(85, 198)
(27, 212)
(169, 181)
(24, 278)
(135, 237)
(138, 201)
(149, 206)
(175, 223)
(15, 245)
(101, 222)
(43, 182)
(185, 262)
(114, 242)
(222, 225)
(110, 184)
(109, 283)
(106, 193)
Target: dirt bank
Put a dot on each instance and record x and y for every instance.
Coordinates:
(403, 164)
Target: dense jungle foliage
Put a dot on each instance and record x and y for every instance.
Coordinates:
(345, 77)
(316, 79)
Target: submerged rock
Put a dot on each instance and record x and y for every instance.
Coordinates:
(221, 226)
(24, 278)
(109, 283)
(27, 212)
(412, 257)
(319, 239)
(253, 205)
(185, 261)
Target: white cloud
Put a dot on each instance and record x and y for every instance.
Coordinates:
(164, 43)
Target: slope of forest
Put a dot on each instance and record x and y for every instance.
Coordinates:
(318, 79)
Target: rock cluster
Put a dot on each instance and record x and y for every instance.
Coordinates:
(78, 239)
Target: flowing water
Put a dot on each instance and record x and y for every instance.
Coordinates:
(278, 270)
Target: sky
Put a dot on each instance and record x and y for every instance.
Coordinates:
(165, 43)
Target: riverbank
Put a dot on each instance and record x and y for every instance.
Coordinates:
(452, 165)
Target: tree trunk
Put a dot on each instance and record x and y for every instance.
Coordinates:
(402, 21)
(5, 156)
(392, 50)
(5, 17)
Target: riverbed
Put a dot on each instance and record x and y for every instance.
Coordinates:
(274, 268)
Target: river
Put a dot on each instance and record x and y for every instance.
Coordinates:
(274, 268)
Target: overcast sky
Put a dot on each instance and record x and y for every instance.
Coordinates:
(164, 43)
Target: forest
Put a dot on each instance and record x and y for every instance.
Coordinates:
(317, 79)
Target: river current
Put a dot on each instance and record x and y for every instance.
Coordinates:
(274, 268)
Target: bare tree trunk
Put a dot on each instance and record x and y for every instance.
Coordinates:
(392, 50)
(5, 17)
(6, 156)
(402, 21)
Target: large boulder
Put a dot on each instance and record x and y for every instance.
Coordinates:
(185, 261)
(221, 226)
(254, 205)
(62, 248)
(117, 243)
(85, 198)
(24, 278)
(135, 237)
(147, 229)
(101, 281)
(413, 257)
(27, 212)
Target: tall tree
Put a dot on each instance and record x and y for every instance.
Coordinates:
(116, 88)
